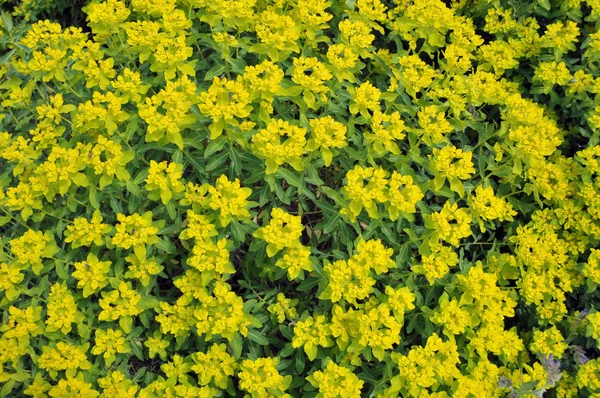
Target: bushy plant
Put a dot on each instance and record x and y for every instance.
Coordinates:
(301, 198)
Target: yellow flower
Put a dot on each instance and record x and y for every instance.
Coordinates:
(38, 387)
(561, 36)
(23, 198)
(129, 86)
(537, 140)
(278, 31)
(263, 80)
(171, 55)
(85, 233)
(198, 227)
(10, 277)
(103, 111)
(64, 357)
(166, 113)
(386, 129)
(450, 224)
(587, 376)
(23, 323)
(283, 231)
(135, 231)
(552, 73)
(107, 16)
(490, 301)
(400, 300)
(31, 248)
(373, 10)
(452, 164)
(259, 376)
(486, 206)
(283, 308)
(163, 180)
(379, 330)
(109, 343)
(437, 264)
(311, 333)
(73, 387)
(122, 304)
(403, 195)
(109, 160)
(593, 326)
(434, 125)
(335, 382)
(452, 316)
(591, 269)
(373, 254)
(422, 367)
(142, 269)
(326, 134)
(211, 259)
(268, 144)
(356, 34)
(499, 56)
(215, 365)
(311, 75)
(224, 101)
(414, 74)
(343, 61)
(91, 274)
(116, 385)
(364, 195)
(61, 309)
(50, 114)
(156, 345)
(548, 342)
(295, 260)
(364, 98)
(229, 199)
(443, 163)
(154, 8)
(350, 280)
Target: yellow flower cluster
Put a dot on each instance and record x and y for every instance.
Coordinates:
(282, 232)
(336, 381)
(327, 134)
(260, 376)
(450, 224)
(268, 144)
(257, 132)
(352, 279)
(135, 231)
(163, 180)
(224, 101)
(369, 186)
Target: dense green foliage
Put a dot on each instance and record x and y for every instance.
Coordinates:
(300, 198)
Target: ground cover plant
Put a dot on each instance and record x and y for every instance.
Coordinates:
(300, 198)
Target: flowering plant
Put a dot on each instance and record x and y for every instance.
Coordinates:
(300, 198)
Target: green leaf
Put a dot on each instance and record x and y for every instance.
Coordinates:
(290, 177)
(133, 189)
(545, 4)
(237, 345)
(217, 161)
(136, 349)
(311, 351)
(62, 270)
(308, 284)
(238, 231)
(214, 146)
(257, 337)
(165, 245)
(331, 223)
